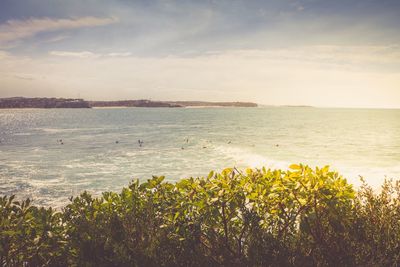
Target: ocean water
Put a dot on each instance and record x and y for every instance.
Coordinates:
(100, 149)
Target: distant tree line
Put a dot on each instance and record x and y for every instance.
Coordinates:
(23, 102)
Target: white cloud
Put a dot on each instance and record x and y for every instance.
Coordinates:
(82, 54)
(3, 54)
(18, 29)
(88, 54)
(56, 38)
(125, 54)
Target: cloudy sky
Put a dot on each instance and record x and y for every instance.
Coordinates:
(342, 53)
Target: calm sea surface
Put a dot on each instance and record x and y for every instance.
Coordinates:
(100, 149)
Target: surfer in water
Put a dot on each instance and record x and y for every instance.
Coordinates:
(140, 142)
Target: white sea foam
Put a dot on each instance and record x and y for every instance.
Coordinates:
(52, 130)
(245, 158)
(42, 183)
(374, 176)
(87, 164)
(22, 134)
(64, 130)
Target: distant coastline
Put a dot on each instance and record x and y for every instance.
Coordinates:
(44, 102)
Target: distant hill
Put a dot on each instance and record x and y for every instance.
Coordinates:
(213, 104)
(171, 104)
(23, 102)
(133, 103)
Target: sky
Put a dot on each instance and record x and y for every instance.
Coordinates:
(342, 53)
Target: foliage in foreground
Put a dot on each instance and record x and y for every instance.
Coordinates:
(299, 217)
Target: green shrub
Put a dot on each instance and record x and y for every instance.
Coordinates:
(299, 217)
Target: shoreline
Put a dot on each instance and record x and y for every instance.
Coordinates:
(47, 103)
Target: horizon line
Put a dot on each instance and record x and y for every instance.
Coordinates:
(259, 105)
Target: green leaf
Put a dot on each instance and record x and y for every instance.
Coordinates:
(295, 167)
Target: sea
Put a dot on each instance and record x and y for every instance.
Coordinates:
(50, 155)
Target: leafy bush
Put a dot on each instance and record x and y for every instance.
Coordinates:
(298, 217)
